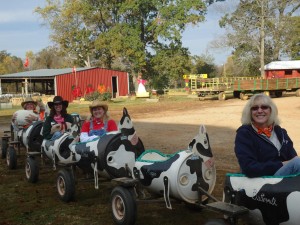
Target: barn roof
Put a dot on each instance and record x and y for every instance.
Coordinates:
(283, 65)
(42, 73)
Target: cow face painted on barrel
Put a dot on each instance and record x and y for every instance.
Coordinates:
(202, 155)
(179, 174)
(113, 154)
(128, 132)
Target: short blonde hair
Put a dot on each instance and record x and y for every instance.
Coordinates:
(247, 116)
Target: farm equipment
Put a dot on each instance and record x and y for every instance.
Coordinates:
(241, 87)
(110, 156)
(279, 77)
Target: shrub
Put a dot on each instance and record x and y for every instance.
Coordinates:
(98, 96)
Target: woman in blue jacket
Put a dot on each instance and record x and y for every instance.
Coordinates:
(262, 147)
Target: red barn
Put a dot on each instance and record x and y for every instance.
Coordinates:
(116, 82)
(283, 69)
(62, 81)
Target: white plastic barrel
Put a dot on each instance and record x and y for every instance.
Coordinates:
(180, 178)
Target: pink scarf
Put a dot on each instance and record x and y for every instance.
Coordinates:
(59, 119)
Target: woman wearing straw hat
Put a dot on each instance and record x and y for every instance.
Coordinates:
(99, 123)
(30, 104)
(57, 122)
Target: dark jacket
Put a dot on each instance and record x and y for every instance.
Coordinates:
(50, 122)
(257, 155)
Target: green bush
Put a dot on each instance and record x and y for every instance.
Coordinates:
(106, 96)
(96, 95)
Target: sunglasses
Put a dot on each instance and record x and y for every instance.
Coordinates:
(256, 107)
(57, 103)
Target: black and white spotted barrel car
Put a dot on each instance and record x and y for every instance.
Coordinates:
(110, 156)
(177, 176)
(41, 151)
(271, 200)
(29, 137)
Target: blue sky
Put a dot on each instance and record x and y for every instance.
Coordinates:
(21, 31)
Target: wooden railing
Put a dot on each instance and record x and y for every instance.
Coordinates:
(216, 84)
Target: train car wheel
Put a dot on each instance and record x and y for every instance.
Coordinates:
(65, 184)
(123, 206)
(11, 158)
(32, 170)
(4, 145)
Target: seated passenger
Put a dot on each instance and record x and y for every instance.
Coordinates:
(30, 104)
(58, 121)
(262, 147)
(99, 123)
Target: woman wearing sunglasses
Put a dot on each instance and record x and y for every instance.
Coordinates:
(262, 147)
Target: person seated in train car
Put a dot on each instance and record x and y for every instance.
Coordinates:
(262, 147)
(58, 120)
(99, 122)
(38, 109)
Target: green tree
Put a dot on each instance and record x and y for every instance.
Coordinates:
(168, 66)
(51, 58)
(66, 20)
(130, 31)
(295, 39)
(203, 65)
(10, 64)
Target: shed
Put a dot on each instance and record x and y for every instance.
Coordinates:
(283, 69)
(62, 81)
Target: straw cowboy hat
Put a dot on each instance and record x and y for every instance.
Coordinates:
(58, 100)
(28, 100)
(97, 103)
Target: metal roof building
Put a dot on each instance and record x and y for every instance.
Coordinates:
(283, 69)
(62, 81)
(279, 65)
